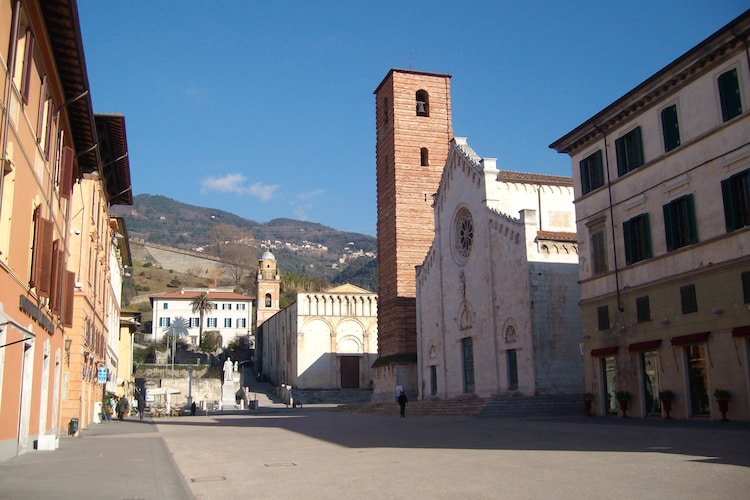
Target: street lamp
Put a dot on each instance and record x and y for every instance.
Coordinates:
(190, 386)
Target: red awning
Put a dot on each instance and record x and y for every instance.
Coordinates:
(693, 338)
(604, 351)
(649, 345)
(741, 331)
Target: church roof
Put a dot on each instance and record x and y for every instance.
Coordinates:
(529, 178)
(347, 288)
(556, 236)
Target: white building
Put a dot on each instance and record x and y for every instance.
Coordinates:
(231, 317)
(662, 186)
(324, 340)
(497, 294)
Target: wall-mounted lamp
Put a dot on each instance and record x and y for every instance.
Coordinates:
(665, 321)
(717, 311)
(68, 342)
(75, 231)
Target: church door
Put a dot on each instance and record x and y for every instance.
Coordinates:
(349, 372)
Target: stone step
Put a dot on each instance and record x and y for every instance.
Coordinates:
(331, 396)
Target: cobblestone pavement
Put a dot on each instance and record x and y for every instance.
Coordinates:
(316, 453)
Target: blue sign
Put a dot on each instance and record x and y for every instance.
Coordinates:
(102, 375)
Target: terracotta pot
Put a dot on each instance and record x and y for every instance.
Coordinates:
(723, 408)
(624, 407)
(666, 405)
(587, 405)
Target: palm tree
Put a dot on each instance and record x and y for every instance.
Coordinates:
(175, 328)
(201, 305)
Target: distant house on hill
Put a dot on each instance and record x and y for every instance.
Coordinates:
(231, 317)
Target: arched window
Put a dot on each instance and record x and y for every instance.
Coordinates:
(424, 157)
(423, 103)
(268, 300)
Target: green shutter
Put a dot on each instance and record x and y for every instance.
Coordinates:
(626, 233)
(585, 183)
(669, 227)
(692, 226)
(637, 148)
(622, 156)
(729, 214)
(729, 91)
(646, 237)
(670, 128)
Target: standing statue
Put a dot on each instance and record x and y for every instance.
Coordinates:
(228, 367)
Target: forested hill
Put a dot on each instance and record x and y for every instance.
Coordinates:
(301, 247)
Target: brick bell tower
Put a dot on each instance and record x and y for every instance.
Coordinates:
(413, 126)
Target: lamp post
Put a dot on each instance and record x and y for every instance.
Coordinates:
(190, 386)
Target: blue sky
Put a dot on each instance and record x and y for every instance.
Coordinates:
(266, 109)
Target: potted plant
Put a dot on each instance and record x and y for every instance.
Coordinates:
(722, 397)
(588, 398)
(622, 398)
(666, 397)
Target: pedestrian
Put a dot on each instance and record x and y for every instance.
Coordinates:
(402, 403)
(122, 408)
(192, 409)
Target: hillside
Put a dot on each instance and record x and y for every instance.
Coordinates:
(303, 248)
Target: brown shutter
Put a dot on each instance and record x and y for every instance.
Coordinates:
(28, 60)
(44, 264)
(66, 173)
(69, 288)
(57, 263)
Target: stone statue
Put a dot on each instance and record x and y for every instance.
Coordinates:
(228, 366)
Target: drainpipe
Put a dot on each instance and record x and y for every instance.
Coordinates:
(611, 217)
(9, 94)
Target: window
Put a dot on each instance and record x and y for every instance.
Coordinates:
(24, 61)
(512, 370)
(212, 322)
(241, 323)
(746, 287)
(592, 172)
(602, 318)
(41, 255)
(241, 307)
(424, 157)
(423, 103)
(227, 322)
(736, 194)
(643, 308)
(467, 358)
(637, 236)
(629, 150)
(165, 305)
(225, 307)
(463, 234)
(729, 94)
(194, 322)
(433, 380)
(598, 250)
(268, 300)
(679, 223)
(670, 128)
(165, 322)
(688, 299)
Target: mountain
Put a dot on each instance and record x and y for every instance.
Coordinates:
(305, 248)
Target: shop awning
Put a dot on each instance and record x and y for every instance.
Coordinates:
(649, 345)
(603, 351)
(693, 338)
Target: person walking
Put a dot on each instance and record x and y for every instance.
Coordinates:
(122, 408)
(402, 400)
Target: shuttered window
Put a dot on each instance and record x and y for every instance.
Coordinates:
(688, 299)
(670, 128)
(602, 318)
(679, 223)
(736, 194)
(41, 255)
(637, 235)
(629, 151)
(69, 287)
(643, 309)
(598, 251)
(592, 172)
(729, 94)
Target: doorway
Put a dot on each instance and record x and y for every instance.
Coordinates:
(349, 372)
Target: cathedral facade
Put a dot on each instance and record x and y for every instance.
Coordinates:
(497, 294)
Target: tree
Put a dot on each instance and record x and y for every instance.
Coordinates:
(201, 305)
(178, 327)
(212, 341)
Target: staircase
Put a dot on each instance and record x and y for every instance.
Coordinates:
(331, 396)
(533, 406)
(497, 407)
